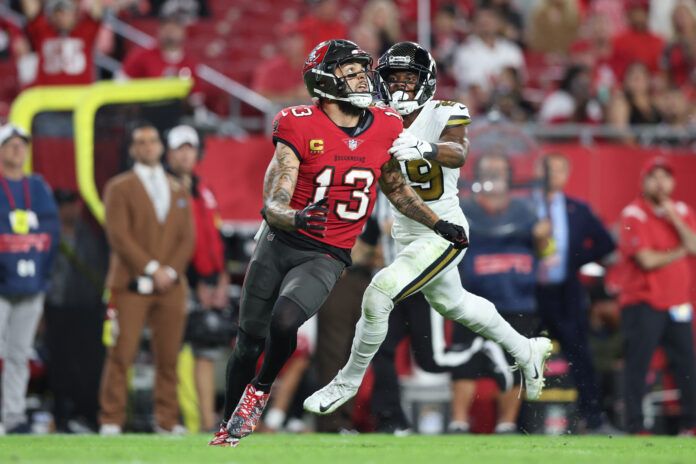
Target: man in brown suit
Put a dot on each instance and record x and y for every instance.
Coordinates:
(150, 230)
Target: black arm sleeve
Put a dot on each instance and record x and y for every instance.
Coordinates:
(370, 234)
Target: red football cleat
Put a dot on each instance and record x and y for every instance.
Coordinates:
(248, 412)
(223, 438)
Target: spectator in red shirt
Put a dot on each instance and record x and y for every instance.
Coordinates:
(637, 43)
(168, 59)
(657, 235)
(64, 40)
(288, 63)
(322, 23)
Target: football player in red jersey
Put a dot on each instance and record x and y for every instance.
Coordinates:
(318, 192)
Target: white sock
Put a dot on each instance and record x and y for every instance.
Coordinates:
(370, 332)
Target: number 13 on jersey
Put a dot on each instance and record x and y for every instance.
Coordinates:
(359, 178)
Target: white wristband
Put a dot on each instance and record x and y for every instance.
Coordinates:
(151, 267)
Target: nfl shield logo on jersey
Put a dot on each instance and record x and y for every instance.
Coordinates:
(352, 143)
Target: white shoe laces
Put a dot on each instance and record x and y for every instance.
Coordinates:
(247, 405)
(518, 367)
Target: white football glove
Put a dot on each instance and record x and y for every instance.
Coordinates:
(408, 147)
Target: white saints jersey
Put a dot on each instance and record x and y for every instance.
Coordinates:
(436, 184)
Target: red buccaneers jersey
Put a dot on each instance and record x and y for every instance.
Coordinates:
(64, 59)
(343, 168)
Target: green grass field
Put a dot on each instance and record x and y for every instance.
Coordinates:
(363, 449)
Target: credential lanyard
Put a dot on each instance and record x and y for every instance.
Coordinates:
(10, 197)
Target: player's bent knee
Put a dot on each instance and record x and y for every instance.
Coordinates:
(376, 304)
(248, 347)
(386, 281)
(287, 317)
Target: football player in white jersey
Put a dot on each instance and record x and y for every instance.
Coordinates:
(431, 149)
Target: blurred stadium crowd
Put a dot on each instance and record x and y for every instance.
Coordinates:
(619, 62)
(621, 66)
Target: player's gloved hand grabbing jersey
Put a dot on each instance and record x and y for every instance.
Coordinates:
(313, 218)
(408, 147)
(453, 233)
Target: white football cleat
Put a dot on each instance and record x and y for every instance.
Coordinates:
(110, 430)
(331, 397)
(533, 369)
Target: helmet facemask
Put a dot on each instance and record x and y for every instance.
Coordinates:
(342, 84)
(361, 98)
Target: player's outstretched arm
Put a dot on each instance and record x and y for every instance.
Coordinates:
(411, 205)
(450, 151)
(403, 197)
(278, 187)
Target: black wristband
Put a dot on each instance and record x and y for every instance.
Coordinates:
(433, 153)
(299, 221)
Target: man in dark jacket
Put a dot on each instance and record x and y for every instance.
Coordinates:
(73, 317)
(578, 238)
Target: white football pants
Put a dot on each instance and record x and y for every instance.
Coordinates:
(427, 264)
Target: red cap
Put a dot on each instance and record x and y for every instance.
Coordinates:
(655, 163)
